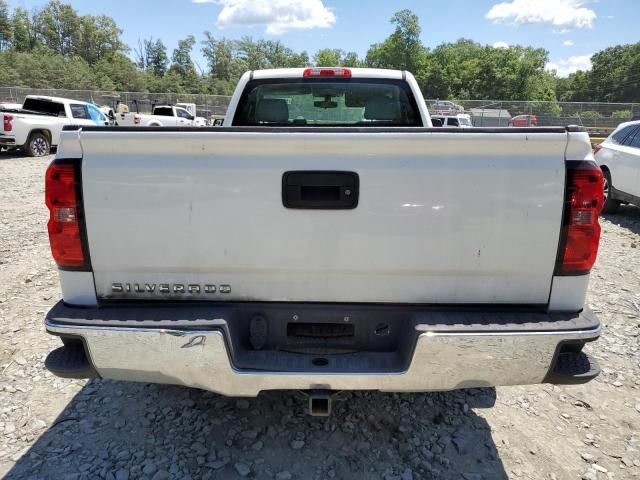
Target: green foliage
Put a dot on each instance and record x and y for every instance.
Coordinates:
(614, 77)
(152, 55)
(328, 57)
(55, 47)
(589, 114)
(622, 115)
(5, 26)
(403, 49)
(465, 70)
(227, 59)
(24, 37)
(615, 73)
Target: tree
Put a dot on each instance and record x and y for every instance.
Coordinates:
(24, 36)
(99, 37)
(182, 54)
(221, 57)
(152, 55)
(351, 60)
(121, 72)
(183, 66)
(54, 47)
(59, 27)
(403, 49)
(574, 88)
(5, 26)
(615, 73)
(328, 57)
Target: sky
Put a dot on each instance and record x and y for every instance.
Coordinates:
(571, 30)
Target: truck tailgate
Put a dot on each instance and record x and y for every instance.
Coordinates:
(442, 217)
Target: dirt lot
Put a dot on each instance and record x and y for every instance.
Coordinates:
(54, 428)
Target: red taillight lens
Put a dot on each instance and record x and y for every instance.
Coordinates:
(65, 234)
(327, 72)
(136, 120)
(7, 126)
(584, 199)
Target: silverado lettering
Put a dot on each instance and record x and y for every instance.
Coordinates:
(168, 288)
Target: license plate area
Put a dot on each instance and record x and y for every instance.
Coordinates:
(327, 338)
(320, 337)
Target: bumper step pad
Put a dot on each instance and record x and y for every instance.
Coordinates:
(573, 369)
(70, 362)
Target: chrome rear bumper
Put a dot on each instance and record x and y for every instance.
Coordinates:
(460, 356)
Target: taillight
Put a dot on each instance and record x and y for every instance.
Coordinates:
(136, 120)
(327, 72)
(65, 232)
(7, 126)
(584, 198)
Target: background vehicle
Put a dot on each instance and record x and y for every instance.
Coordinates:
(325, 238)
(162, 116)
(619, 158)
(36, 126)
(524, 121)
(10, 106)
(446, 107)
(459, 120)
(191, 108)
(216, 120)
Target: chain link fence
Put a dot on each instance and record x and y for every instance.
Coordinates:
(599, 118)
(207, 105)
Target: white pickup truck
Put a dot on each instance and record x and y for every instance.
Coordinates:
(162, 116)
(326, 238)
(36, 126)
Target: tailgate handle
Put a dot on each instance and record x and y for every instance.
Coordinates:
(323, 190)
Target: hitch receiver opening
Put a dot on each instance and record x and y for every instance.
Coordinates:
(320, 403)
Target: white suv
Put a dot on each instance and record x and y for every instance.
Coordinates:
(619, 158)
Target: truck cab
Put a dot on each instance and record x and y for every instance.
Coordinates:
(161, 116)
(460, 120)
(36, 126)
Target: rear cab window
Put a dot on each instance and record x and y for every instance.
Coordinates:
(48, 107)
(330, 102)
(163, 111)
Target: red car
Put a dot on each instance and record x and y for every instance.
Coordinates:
(524, 121)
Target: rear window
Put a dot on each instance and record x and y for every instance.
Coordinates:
(633, 140)
(619, 137)
(44, 106)
(163, 111)
(327, 102)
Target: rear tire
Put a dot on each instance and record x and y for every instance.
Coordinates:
(38, 145)
(610, 205)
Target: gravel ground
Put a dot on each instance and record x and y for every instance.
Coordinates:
(55, 428)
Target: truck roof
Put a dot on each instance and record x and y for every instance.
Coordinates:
(355, 73)
(56, 99)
